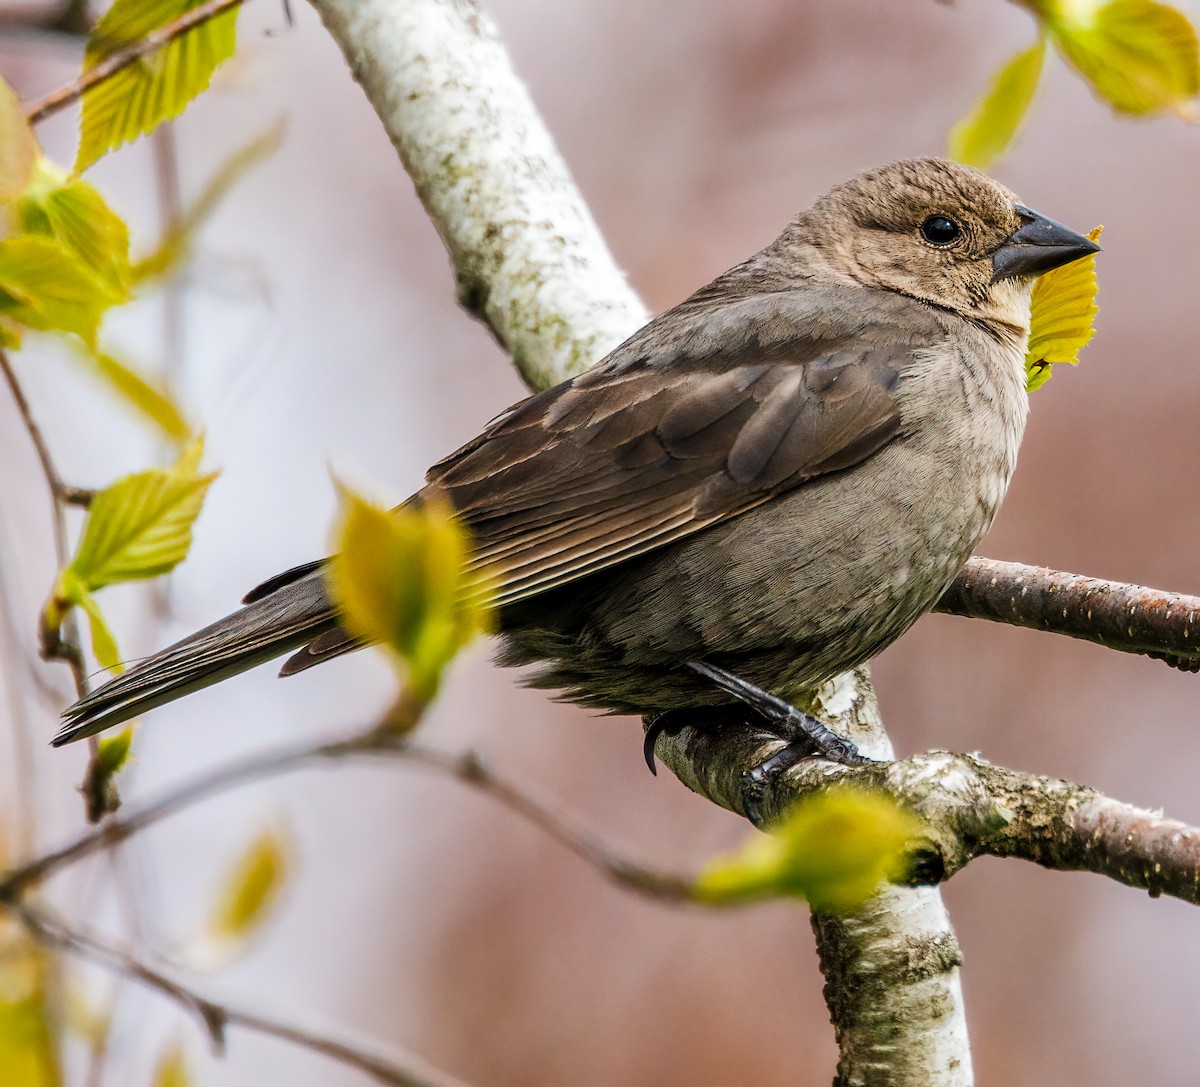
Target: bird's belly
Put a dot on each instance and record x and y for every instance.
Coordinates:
(836, 569)
(788, 594)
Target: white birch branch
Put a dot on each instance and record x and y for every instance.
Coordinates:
(527, 255)
(530, 262)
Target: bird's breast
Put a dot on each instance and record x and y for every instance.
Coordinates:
(848, 561)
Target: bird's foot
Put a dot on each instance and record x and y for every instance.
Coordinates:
(806, 737)
(787, 722)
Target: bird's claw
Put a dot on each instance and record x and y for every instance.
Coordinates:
(805, 737)
(785, 720)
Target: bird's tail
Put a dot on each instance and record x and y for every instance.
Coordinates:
(281, 615)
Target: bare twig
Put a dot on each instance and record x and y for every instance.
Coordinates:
(471, 769)
(57, 643)
(1130, 618)
(61, 641)
(58, 488)
(56, 100)
(468, 768)
(217, 1016)
(971, 809)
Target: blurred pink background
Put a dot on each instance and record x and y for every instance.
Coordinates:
(320, 330)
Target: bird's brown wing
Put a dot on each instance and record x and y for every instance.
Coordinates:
(609, 467)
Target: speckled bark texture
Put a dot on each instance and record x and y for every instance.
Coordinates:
(530, 263)
(891, 974)
(891, 969)
(1129, 618)
(971, 808)
(527, 256)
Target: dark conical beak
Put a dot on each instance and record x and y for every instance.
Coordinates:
(1038, 245)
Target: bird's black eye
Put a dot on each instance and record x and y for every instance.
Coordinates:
(938, 230)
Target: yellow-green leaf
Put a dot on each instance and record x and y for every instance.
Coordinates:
(985, 133)
(172, 1069)
(251, 889)
(28, 1048)
(104, 642)
(141, 526)
(833, 849)
(112, 752)
(1062, 317)
(149, 400)
(156, 87)
(18, 146)
(1141, 56)
(401, 578)
(10, 335)
(75, 213)
(44, 285)
(99, 785)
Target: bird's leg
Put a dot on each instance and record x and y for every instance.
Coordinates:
(806, 736)
(787, 722)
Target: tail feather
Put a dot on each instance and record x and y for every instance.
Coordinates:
(332, 643)
(273, 624)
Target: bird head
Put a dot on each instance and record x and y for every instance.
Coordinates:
(942, 233)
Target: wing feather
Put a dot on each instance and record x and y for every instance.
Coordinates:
(597, 472)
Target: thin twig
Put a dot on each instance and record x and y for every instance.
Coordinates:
(58, 488)
(57, 100)
(471, 769)
(994, 810)
(57, 643)
(468, 768)
(61, 641)
(217, 1016)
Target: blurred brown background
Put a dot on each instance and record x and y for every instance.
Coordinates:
(320, 328)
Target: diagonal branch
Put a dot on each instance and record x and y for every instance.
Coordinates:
(61, 641)
(216, 1016)
(469, 768)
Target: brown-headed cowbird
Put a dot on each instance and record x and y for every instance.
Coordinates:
(760, 489)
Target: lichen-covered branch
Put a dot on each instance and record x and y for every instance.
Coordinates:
(888, 969)
(528, 258)
(971, 808)
(891, 968)
(1130, 618)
